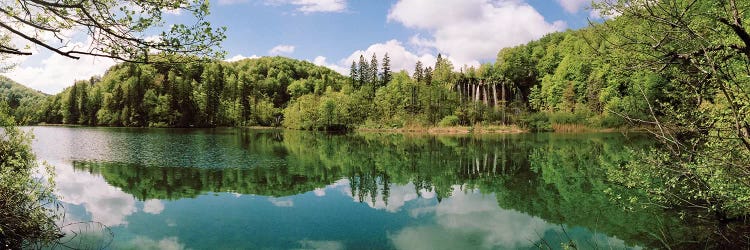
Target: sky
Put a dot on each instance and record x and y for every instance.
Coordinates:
(332, 33)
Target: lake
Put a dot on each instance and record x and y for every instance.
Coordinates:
(278, 189)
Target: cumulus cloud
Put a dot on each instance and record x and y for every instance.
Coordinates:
(153, 206)
(51, 73)
(322, 61)
(398, 196)
(319, 192)
(311, 6)
(321, 245)
(573, 6)
(281, 202)
(56, 72)
(230, 2)
(106, 204)
(142, 242)
(240, 57)
(281, 49)
(472, 30)
(401, 58)
(471, 215)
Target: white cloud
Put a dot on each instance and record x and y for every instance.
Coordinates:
(281, 202)
(398, 196)
(52, 72)
(469, 219)
(311, 6)
(573, 6)
(106, 204)
(281, 49)
(229, 2)
(319, 192)
(153, 206)
(175, 12)
(321, 61)
(401, 58)
(472, 30)
(57, 72)
(321, 245)
(240, 57)
(141, 242)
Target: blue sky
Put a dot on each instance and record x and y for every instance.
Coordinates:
(333, 32)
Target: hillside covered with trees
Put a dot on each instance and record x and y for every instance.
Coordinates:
(21, 100)
(249, 92)
(563, 78)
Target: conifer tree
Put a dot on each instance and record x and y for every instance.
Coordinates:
(354, 75)
(418, 72)
(386, 70)
(363, 71)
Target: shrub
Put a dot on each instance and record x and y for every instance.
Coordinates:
(27, 211)
(449, 121)
(537, 122)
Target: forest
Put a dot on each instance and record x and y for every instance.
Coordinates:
(563, 78)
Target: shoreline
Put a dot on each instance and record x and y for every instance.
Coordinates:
(452, 130)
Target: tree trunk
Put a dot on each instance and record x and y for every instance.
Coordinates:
(494, 96)
(486, 89)
(476, 93)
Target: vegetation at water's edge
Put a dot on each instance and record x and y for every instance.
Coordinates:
(27, 205)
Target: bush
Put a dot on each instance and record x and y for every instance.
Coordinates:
(449, 121)
(27, 213)
(537, 122)
(568, 118)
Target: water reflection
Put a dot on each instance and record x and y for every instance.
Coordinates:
(288, 189)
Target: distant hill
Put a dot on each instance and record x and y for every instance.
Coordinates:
(21, 99)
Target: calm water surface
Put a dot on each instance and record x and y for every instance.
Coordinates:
(251, 189)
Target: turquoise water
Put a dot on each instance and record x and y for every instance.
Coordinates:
(276, 189)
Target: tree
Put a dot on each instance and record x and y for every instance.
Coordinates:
(699, 51)
(386, 70)
(373, 73)
(364, 69)
(354, 75)
(428, 75)
(72, 111)
(117, 29)
(418, 72)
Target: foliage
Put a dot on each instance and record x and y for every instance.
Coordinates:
(537, 122)
(27, 205)
(117, 29)
(449, 121)
(693, 80)
(248, 92)
(21, 101)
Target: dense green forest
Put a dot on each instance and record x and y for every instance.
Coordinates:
(250, 92)
(568, 77)
(21, 100)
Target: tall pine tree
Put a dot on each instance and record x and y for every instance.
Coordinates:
(386, 70)
(73, 107)
(418, 72)
(364, 70)
(354, 75)
(373, 70)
